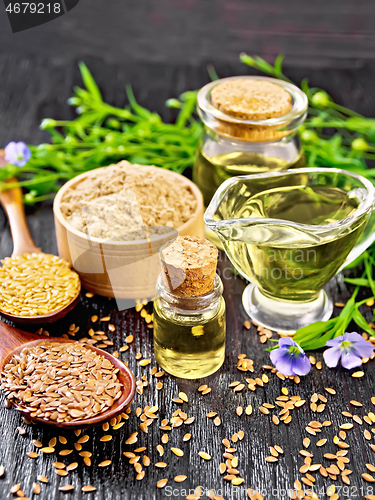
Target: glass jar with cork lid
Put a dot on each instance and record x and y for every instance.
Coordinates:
(189, 310)
(250, 127)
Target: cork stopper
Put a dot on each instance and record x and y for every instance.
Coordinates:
(189, 266)
(251, 99)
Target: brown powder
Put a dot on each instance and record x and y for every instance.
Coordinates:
(158, 199)
(189, 266)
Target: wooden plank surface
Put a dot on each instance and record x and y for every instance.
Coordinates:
(190, 31)
(34, 88)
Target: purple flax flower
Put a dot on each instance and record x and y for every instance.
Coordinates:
(290, 359)
(350, 347)
(17, 153)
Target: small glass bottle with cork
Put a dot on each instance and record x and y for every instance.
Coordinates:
(189, 310)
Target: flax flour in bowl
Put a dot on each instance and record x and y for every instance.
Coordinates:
(111, 222)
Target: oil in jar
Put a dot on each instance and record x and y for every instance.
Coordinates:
(190, 345)
(210, 172)
(189, 310)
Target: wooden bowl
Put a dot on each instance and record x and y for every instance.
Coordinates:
(120, 269)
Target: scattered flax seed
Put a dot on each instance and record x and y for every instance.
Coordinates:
(133, 438)
(178, 452)
(106, 438)
(61, 472)
(249, 410)
(247, 324)
(105, 463)
(58, 465)
(346, 426)
(274, 452)
(183, 396)
(367, 434)
(358, 374)
(187, 437)
(204, 455)
(38, 444)
(88, 488)
(330, 391)
(275, 420)
(67, 487)
(321, 442)
(32, 454)
(271, 459)
(161, 465)
(161, 483)
(180, 479)
(64, 453)
(368, 478)
(355, 403)
(42, 479)
(47, 449)
(217, 421)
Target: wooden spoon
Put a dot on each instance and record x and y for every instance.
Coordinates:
(12, 201)
(12, 341)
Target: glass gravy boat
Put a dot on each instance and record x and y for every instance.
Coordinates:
(289, 233)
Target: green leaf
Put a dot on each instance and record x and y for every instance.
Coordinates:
(368, 268)
(357, 281)
(90, 83)
(278, 65)
(362, 323)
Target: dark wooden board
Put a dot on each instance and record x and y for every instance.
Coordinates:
(187, 31)
(33, 88)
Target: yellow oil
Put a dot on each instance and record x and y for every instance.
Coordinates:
(210, 172)
(189, 346)
(288, 262)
